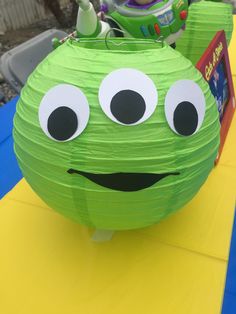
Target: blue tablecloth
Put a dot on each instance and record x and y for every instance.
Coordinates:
(10, 173)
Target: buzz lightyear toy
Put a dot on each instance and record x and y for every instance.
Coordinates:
(134, 18)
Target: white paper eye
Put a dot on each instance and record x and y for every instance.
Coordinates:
(63, 112)
(128, 96)
(185, 107)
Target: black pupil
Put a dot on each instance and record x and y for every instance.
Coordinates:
(128, 106)
(185, 118)
(62, 123)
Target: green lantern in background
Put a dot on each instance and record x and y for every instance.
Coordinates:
(116, 134)
(205, 19)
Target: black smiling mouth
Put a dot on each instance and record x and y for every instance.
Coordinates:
(125, 182)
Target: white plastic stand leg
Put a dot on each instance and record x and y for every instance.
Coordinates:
(102, 235)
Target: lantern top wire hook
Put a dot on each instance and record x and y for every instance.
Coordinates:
(107, 34)
(108, 40)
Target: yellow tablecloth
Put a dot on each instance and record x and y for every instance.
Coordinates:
(50, 265)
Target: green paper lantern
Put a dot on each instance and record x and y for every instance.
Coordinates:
(205, 19)
(116, 134)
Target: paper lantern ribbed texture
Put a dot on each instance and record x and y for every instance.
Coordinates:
(205, 19)
(117, 134)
